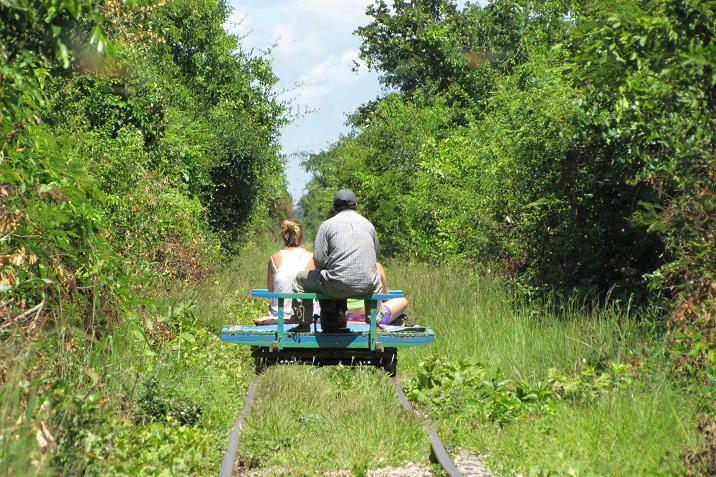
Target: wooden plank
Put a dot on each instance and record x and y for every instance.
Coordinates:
(263, 293)
(320, 341)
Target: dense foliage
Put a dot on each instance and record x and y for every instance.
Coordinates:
(138, 145)
(567, 145)
(145, 153)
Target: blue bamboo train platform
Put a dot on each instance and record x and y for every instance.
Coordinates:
(355, 344)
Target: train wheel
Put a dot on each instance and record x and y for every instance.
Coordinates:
(261, 364)
(390, 364)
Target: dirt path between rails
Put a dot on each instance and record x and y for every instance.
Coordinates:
(470, 465)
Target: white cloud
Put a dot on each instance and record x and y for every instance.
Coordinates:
(315, 46)
(307, 28)
(336, 70)
(297, 45)
(332, 75)
(313, 59)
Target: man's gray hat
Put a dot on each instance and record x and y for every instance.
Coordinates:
(344, 198)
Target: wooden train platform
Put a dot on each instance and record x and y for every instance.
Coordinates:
(357, 343)
(357, 336)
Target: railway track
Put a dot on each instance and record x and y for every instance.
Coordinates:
(439, 454)
(356, 343)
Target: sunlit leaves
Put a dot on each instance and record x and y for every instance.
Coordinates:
(98, 38)
(30, 38)
(652, 75)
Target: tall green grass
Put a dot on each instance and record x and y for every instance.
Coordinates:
(89, 393)
(71, 406)
(167, 365)
(307, 421)
(636, 430)
(20, 431)
(475, 317)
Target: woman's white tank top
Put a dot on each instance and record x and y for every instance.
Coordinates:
(292, 261)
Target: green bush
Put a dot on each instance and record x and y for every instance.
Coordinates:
(160, 404)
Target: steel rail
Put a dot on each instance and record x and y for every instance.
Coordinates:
(439, 453)
(227, 466)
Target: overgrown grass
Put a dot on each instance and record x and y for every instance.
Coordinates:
(638, 427)
(306, 421)
(638, 431)
(184, 387)
(157, 396)
(156, 393)
(475, 317)
(581, 391)
(20, 451)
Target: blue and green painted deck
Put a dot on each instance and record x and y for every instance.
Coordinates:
(357, 344)
(357, 336)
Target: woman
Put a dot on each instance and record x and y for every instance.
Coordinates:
(283, 266)
(390, 309)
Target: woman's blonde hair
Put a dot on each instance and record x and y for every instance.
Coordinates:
(292, 233)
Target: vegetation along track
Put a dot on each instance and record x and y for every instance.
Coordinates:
(438, 453)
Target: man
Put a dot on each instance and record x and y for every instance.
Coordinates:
(345, 253)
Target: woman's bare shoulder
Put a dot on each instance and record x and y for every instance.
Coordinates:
(276, 259)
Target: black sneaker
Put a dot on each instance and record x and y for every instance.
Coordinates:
(301, 328)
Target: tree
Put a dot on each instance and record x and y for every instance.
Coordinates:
(31, 42)
(233, 95)
(648, 72)
(409, 43)
(477, 156)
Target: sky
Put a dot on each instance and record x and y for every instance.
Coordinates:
(313, 58)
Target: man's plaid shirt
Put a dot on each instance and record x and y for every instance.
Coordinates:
(346, 251)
